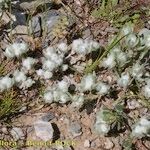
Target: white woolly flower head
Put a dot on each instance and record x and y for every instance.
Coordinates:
(6, 83)
(141, 128)
(16, 49)
(19, 76)
(109, 62)
(84, 47)
(121, 58)
(49, 65)
(48, 97)
(132, 40)
(102, 88)
(63, 47)
(48, 52)
(124, 80)
(44, 74)
(63, 85)
(88, 82)
(27, 83)
(65, 67)
(28, 63)
(137, 71)
(127, 29)
(78, 100)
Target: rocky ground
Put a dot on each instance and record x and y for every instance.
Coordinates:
(33, 122)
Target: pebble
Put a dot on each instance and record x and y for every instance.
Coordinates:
(87, 143)
(43, 130)
(75, 129)
(47, 117)
(17, 133)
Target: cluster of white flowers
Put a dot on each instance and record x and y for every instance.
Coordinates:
(87, 82)
(58, 93)
(102, 88)
(124, 80)
(53, 58)
(84, 47)
(19, 78)
(100, 126)
(6, 83)
(115, 57)
(28, 63)
(142, 128)
(16, 50)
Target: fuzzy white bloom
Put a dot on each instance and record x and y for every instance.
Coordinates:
(62, 47)
(142, 128)
(49, 65)
(109, 62)
(27, 83)
(124, 80)
(137, 71)
(65, 67)
(63, 97)
(6, 83)
(100, 126)
(78, 100)
(19, 76)
(144, 37)
(48, 52)
(28, 63)
(16, 49)
(127, 29)
(84, 47)
(146, 91)
(102, 88)
(121, 58)
(88, 82)
(132, 40)
(48, 97)
(44, 74)
(63, 85)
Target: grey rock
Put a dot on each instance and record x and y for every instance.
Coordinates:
(75, 129)
(17, 133)
(43, 130)
(47, 117)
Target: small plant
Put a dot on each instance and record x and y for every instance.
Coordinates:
(8, 104)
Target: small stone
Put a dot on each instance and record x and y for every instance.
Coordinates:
(43, 130)
(87, 143)
(75, 129)
(17, 133)
(47, 117)
(108, 144)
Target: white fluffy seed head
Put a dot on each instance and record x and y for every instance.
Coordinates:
(6, 83)
(48, 52)
(65, 67)
(88, 82)
(141, 128)
(19, 76)
(124, 80)
(109, 62)
(28, 63)
(132, 40)
(49, 65)
(16, 49)
(63, 47)
(127, 29)
(27, 83)
(137, 71)
(78, 100)
(63, 85)
(48, 97)
(102, 88)
(121, 58)
(146, 91)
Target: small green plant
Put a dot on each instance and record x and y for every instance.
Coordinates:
(8, 104)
